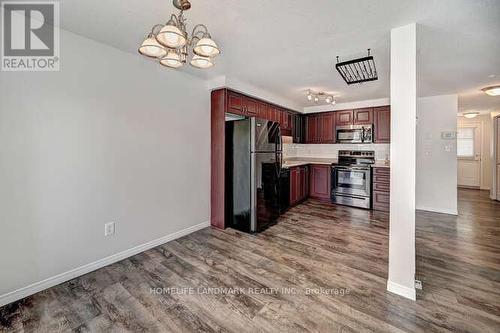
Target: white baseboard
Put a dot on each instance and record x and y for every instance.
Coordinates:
(82, 270)
(401, 290)
(438, 210)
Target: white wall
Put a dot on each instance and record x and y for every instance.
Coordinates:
(403, 151)
(436, 187)
(111, 137)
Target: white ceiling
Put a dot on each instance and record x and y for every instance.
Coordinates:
(288, 46)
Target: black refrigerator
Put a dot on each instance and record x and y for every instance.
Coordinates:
(253, 164)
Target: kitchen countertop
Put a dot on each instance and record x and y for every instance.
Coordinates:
(298, 161)
(381, 164)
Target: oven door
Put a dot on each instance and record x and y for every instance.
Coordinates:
(351, 180)
(350, 135)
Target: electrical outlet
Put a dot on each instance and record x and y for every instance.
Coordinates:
(418, 284)
(109, 229)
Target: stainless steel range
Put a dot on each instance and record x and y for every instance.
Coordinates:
(351, 178)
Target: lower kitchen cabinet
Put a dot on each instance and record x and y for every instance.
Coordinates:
(299, 184)
(319, 181)
(381, 188)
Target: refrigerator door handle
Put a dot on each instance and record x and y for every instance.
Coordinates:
(280, 139)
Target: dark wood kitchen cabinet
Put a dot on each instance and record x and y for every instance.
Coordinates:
(382, 124)
(250, 106)
(299, 184)
(286, 122)
(235, 103)
(320, 128)
(261, 110)
(283, 119)
(344, 118)
(241, 104)
(381, 188)
(298, 128)
(312, 133)
(327, 121)
(363, 116)
(319, 182)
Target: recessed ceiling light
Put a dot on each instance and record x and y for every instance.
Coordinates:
(492, 91)
(470, 115)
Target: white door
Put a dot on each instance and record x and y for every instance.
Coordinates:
(497, 119)
(469, 155)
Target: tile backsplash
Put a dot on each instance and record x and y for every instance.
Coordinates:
(290, 150)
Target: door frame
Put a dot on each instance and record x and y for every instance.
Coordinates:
(494, 193)
(478, 143)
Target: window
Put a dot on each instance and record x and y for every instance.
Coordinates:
(465, 142)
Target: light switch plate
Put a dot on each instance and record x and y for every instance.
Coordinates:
(109, 229)
(448, 135)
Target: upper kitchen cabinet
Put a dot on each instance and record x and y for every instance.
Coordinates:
(283, 118)
(262, 110)
(327, 127)
(243, 105)
(382, 124)
(363, 116)
(320, 128)
(312, 130)
(235, 103)
(250, 106)
(286, 122)
(298, 128)
(344, 118)
(273, 113)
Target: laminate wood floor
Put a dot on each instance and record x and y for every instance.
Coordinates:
(322, 268)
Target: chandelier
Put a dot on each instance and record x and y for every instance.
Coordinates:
(317, 96)
(170, 42)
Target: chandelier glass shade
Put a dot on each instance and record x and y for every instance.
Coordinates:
(171, 37)
(172, 60)
(201, 62)
(172, 46)
(206, 48)
(151, 48)
(317, 96)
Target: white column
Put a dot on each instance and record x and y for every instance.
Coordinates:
(403, 152)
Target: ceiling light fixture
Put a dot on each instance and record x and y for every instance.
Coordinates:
(170, 42)
(492, 91)
(316, 96)
(470, 115)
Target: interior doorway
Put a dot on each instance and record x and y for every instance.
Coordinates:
(477, 153)
(469, 136)
(495, 193)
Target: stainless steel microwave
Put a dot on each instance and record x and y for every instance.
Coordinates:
(354, 134)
